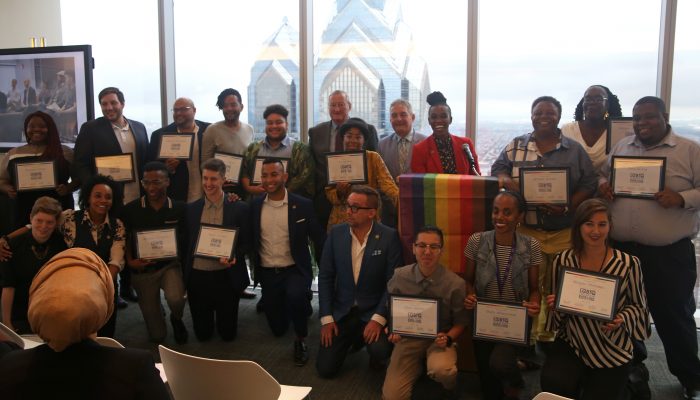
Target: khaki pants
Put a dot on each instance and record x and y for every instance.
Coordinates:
(148, 286)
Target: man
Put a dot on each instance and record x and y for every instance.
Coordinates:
(283, 225)
(156, 210)
(185, 176)
(397, 148)
(14, 98)
(427, 278)
(214, 286)
(29, 96)
(110, 135)
(358, 259)
(230, 135)
(659, 232)
(323, 138)
(277, 144)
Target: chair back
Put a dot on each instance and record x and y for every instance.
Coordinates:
(108, 342)
(195, 378)
(550, 396)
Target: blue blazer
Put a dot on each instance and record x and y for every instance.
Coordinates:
(236, 215)
(180, 180)
(96, 138)
(337, 290)
(303, 227)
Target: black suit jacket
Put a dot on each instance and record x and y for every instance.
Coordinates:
(96, 139)
(180, 180)
(84, 370)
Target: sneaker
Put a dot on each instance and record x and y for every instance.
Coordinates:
(248, 294)
(301, 353)
(179, 330)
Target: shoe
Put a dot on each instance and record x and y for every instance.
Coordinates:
(260, 306)
(301, 353)
(179, 330)
(248, 294)
(129, 294)
(121, 303)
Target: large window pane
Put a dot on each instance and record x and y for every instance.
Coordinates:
(252, 47)
(559, 48)
(378, 51)
(685, 102)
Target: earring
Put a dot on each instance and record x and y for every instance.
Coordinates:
(606, 115)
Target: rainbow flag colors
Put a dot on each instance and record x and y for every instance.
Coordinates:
(459, 204)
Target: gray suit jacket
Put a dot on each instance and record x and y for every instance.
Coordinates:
(389, 150)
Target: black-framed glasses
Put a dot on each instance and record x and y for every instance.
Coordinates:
(355, 209)
(425, 246)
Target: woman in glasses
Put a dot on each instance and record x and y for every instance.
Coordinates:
(502, 265)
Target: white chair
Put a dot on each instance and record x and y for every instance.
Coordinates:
(550, 396)
(108, 342)
(195, 378)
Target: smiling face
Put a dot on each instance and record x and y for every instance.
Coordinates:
(353, 140)
(112, 108)
(212, 184)
(595, 103)
(401, 119)
(440, 119)
(37, 131)
(155, 184)
(275, 127)
(43, 225)
(427, 249)
(273, 178)
(100, 201)
(232, 109)
(183, 113)
(339, 108)
(505, 214)
(594, 232)
(649, 123)
(545, 117)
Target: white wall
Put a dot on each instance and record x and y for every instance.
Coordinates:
(23, 19)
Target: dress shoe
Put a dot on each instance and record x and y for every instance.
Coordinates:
(179, 330)
(301, 353)
(260, 306)
(121, 303)
(248, 294)
(129, 294)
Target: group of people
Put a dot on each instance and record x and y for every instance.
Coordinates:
(293, 218)
(60, 97)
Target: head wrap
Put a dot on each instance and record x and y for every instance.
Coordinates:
(71, 297)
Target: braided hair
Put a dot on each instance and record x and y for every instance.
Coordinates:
(614, 109)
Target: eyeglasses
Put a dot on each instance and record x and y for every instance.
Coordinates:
(149, 183)
(180, 109)
(594, 99)
(355, 209)
(424, 246)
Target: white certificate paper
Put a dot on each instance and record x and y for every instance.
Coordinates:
(414, 316)
(257, 170)
(587, 293)
(215, 242)
(157, 244)
(36, 175)
(347, 167)
(637, 176)
(178, 146)
(545, 185)
(233, 164)
(618, 129)
(120, 167)
(501, 322)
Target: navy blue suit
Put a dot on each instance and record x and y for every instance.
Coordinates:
(286, 292)
(180, 180)
(352, 305)
(214, 295)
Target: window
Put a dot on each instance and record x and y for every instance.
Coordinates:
(685, 103)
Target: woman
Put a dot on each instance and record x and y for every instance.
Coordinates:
(31, 250)
(71, 298)
(442, 152)
(590, 359)
(355, 133)
(591, 122)
(546, 147)
(502, 265)
(43, 143)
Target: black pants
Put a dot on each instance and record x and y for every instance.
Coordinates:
(669, 279)
(350, 330)
(286, 299)
(498, 368)
(213, 303)
(565, 374)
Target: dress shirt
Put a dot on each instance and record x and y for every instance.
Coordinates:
(645, 221)
(213, 214)
(194, 189)
(274, 233)
(125, 137)
(68, 229)
(284, 150)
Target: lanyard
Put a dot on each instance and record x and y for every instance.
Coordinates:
(502, 283)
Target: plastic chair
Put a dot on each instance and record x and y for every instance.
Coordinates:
(195, 378)
(108, 342)
(550, 396)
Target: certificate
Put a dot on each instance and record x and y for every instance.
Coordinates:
(176, 145)
(637, 176)
(156, 244)
(618, 129)
(414, 316)
(120, 168)
(233, 164)
(545, 185)
(257, 168)
(586, 293)
(35, 175)
(501, 322)
(215, 241)
(349, 166)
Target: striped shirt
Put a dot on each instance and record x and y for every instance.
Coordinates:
(594, 346)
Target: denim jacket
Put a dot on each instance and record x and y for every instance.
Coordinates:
(486, 266)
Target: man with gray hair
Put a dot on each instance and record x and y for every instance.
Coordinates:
(397, 148)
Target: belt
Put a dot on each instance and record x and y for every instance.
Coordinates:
(278, 270)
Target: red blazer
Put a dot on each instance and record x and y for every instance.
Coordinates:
(426, 159)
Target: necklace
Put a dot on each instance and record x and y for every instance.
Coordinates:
(502, 282)
(602, 262)
(40, 253)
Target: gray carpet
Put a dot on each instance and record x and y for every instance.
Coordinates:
(356, 381)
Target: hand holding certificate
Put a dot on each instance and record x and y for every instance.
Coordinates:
(176, 145)
(501, 322)
(586, 293)
(158, 244)
(542, 186)
(349, 166)
(414, 316)
(639, 177)
(216, 242)
(35, 175)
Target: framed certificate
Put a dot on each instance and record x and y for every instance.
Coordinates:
(637, 176)
(347, 166)
(586, 293)
(119, 167)
(233, 164)
(618, 129)
(176, 145)
(414, 316)
(215, 241)
(545, 185)
(35, 175)
(156, 244)
(501, 322)
(257, 168)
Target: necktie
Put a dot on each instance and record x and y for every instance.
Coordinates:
(403, 155)
(338, 141)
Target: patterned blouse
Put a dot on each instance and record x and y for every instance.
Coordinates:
(447, 154)
(68, 230)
